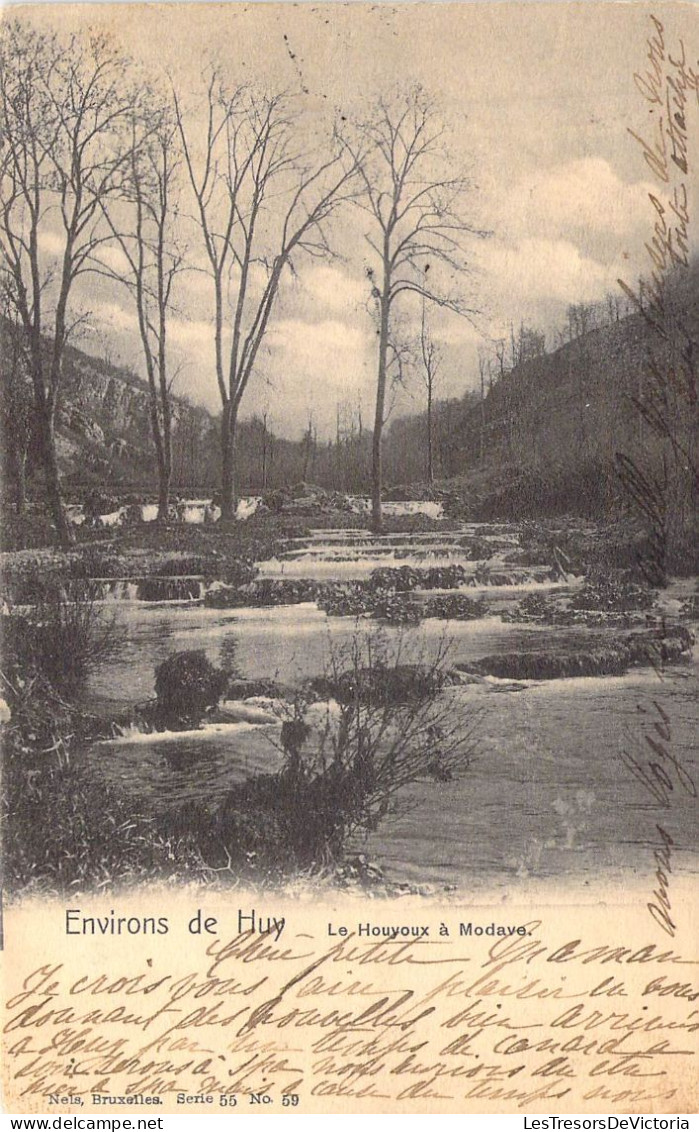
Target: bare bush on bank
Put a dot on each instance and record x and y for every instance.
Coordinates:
(62, 637)
(384, 726)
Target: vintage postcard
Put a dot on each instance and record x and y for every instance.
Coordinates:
(349, 582)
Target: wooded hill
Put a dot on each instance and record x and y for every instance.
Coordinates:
(552, 434)
(556, 432)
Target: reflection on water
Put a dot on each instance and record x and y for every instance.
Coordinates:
(285, 643)
(171, 771)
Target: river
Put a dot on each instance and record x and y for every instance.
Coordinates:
(550, 795)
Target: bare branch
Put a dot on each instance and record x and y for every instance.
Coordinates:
(64, 114)
(414, 200)
(262, 203)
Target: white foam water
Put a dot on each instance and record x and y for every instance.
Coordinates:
(208, 731)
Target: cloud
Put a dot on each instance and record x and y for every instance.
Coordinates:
(316, 343)
(193, 356)
(334, 290)
(112, 256)
(301, 366)
(115, 316)
(560, 233)
(314, 366)
(563, 234)
(584, 197)
(191, 334)
(452, 330)
(556, 270)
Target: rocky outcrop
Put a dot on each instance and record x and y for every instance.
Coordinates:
(654, 648)
(103, 422)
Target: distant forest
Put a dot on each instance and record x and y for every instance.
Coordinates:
(544, 430)
(551, 429)
(544, 433)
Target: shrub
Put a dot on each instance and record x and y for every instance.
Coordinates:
(233, 571)
(61, 826)
(533, 607)
(183, 565)
(62, 637)
(605, 660)
(400, 579)
(237, 571)
(265, 592)
(456, 607)
(653, 647)
(132, 515)
(661, 646)
(476, 548)
(413, 524)
(97, 503)
(396, 609)
(187, 684)
(33, 529)
(240, 688)
(383, 683)
(443, 577)
(63, 829)
(276, 499)
(347, 772)
(613, 592)
(27, 582)
(346, 599)
(169, 589)
(95, 563)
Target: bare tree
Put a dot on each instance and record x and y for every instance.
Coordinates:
(262, 201)
(63, 109)
(416, 229)
(310, 447)
(267, 447)
(16, 401)
(346, 768)
(485, 368)
(143, 223)
(581, 320)
(431, 361)
(526, 345)
(499, 346)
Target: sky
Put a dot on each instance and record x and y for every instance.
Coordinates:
(538, 100)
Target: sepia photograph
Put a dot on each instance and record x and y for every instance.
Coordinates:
(348, 496)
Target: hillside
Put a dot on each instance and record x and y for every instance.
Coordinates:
(553, 433)
(546, 439)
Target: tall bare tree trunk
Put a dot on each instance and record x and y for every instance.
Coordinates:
(162, 456)
(376, 462)
(20, 493)
(481, 447)
(64, 531)
(164, 450)
(430, 469)
(229, 498)
(164, 481)
(265, 452)
(164, 446)
(306, 458)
